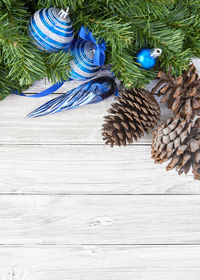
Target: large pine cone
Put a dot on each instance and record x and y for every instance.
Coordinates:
(182, 94)
(134, 112)
(178, 140)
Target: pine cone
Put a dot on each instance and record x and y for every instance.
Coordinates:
(134, 112)
(178, 140)
(182, 94)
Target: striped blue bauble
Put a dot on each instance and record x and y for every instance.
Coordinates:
(82, 66)
(51, 30)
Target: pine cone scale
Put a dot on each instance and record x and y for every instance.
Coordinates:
(182, 95)
(134, 113)
(178, 140)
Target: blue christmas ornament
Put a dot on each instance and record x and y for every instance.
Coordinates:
(51, 29)
(147, 58)
(88, 56)
(93, 91)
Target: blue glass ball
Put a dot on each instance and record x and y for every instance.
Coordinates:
(145, 58)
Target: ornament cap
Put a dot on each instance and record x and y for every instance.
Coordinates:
(156, 53)
(64, 14)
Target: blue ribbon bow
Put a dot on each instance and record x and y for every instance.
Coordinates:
(100, 46)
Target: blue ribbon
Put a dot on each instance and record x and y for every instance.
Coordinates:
(100, 47)
(42, 93)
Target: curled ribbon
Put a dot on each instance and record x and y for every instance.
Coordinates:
(100, 46)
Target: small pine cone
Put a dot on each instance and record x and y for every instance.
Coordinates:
(135, 112)
(182, 94)
(178, 140)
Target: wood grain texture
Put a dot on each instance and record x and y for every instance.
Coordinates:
(100, 219)
(87, 169)
(81, 126)
(88, 207)
(100, 263)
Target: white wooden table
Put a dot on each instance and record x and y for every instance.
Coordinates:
(72, 208)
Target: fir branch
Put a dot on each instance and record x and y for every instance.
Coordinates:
(158, 34)
(6, 85)
(126, 26)
(57, 66)
(74, 5)
(129, 71)
(21, 59)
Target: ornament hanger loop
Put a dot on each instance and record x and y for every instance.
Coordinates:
(156, 53)
(64, 14)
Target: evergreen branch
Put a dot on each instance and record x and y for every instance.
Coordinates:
(57, 66)
(23, 61)
(6, 85)
(126, 26)
(129, 71)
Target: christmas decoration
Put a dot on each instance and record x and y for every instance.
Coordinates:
(126, 27)
(178, 140)
(51, 29)
(134, 113)
(182, 94)
(88, 56)
(93, 91)
(147, 58)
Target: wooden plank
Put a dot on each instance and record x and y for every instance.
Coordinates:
(87, 169)
(100, 262)
(80, 126)
(99, 219)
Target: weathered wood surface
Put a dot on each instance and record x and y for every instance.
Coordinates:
(100, 262)
(99, 219)
(72, 208)
(87, 169)
(81, 126)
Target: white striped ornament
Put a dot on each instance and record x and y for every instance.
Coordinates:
(51, 30)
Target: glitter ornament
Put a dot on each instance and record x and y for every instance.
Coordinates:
(51, 29)
(147, 58)
(82, 66)
(88, 56)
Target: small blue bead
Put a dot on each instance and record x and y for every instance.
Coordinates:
(145, 59)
